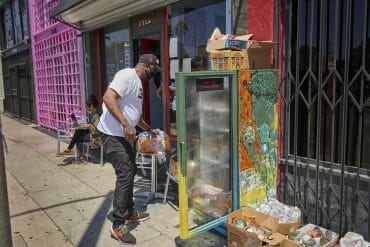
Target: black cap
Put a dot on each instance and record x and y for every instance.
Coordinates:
(150, 59)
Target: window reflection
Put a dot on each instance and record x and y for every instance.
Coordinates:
(117, 49)
(191, 23)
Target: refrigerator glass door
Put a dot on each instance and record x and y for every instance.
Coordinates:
(207, 157)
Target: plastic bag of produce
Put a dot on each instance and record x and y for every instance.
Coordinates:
(158, 142)
(352, 239)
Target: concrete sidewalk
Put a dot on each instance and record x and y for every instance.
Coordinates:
(53, 203)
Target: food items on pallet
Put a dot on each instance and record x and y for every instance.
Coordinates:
(285, 213)
(352, 239)
(248, 227)
(311, 235)
(289, 218)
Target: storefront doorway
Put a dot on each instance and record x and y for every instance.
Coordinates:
(152, 111)
(147, 38)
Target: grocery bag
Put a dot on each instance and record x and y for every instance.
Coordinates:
(153, 143)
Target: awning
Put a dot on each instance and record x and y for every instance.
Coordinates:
(92, 14)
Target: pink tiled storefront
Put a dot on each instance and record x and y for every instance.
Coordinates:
(57, 67)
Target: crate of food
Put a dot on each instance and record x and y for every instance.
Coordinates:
(289, 217)
(313, 235)
(248, 227)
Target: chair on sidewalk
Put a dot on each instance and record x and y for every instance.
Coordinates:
(86, 146)
(171, 175)
(62, 135)
(143, 162)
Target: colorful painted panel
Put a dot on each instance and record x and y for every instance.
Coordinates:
(258, 131)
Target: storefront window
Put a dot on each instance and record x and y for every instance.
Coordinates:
(8, 23)
(117, 48)
(23, 8)
(191, 23)
(17, 21)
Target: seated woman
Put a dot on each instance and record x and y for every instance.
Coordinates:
(86, 131)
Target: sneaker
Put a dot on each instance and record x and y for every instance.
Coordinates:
(136, 217)
(66, 152)
(121, 233)
(81, 161)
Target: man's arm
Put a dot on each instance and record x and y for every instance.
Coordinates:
(110, 99)
(143, 125)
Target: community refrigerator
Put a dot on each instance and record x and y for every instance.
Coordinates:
(227, 144)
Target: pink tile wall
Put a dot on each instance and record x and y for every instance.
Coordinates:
(57, 66)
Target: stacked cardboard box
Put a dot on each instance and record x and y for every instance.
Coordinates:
(239, 53)
(272, 235)
(239, 237)
(289, 217)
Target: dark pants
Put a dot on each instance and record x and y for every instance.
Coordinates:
(121, 154)
(78, 137)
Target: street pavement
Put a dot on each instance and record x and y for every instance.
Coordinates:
(54, 202)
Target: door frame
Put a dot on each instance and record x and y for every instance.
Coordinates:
(185, 231)
(144, 25)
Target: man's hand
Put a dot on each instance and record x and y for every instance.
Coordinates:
(129, 132)
(84, 125)
(144, 126)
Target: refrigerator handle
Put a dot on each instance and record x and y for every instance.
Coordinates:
(181, 153)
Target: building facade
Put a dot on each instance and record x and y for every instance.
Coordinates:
(18, 88)
(57, 67)
(322, 55)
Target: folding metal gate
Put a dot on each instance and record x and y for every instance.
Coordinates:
(325, 99)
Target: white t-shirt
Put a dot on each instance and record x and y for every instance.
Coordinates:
(128, 85)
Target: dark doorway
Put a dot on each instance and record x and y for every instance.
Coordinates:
(152, 107)
(18, 87)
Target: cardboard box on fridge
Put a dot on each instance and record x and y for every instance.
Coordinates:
(227, 60)
(255, 56)
(238, 43)
(238, 237)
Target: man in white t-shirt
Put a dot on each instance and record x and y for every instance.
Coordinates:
(122, 110)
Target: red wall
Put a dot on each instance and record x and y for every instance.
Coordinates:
(261, 25)
(261, 19)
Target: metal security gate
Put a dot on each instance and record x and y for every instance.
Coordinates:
(18, 86)
(325, 94)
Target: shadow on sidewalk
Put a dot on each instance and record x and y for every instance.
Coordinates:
(92, 233)
(206, 239)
